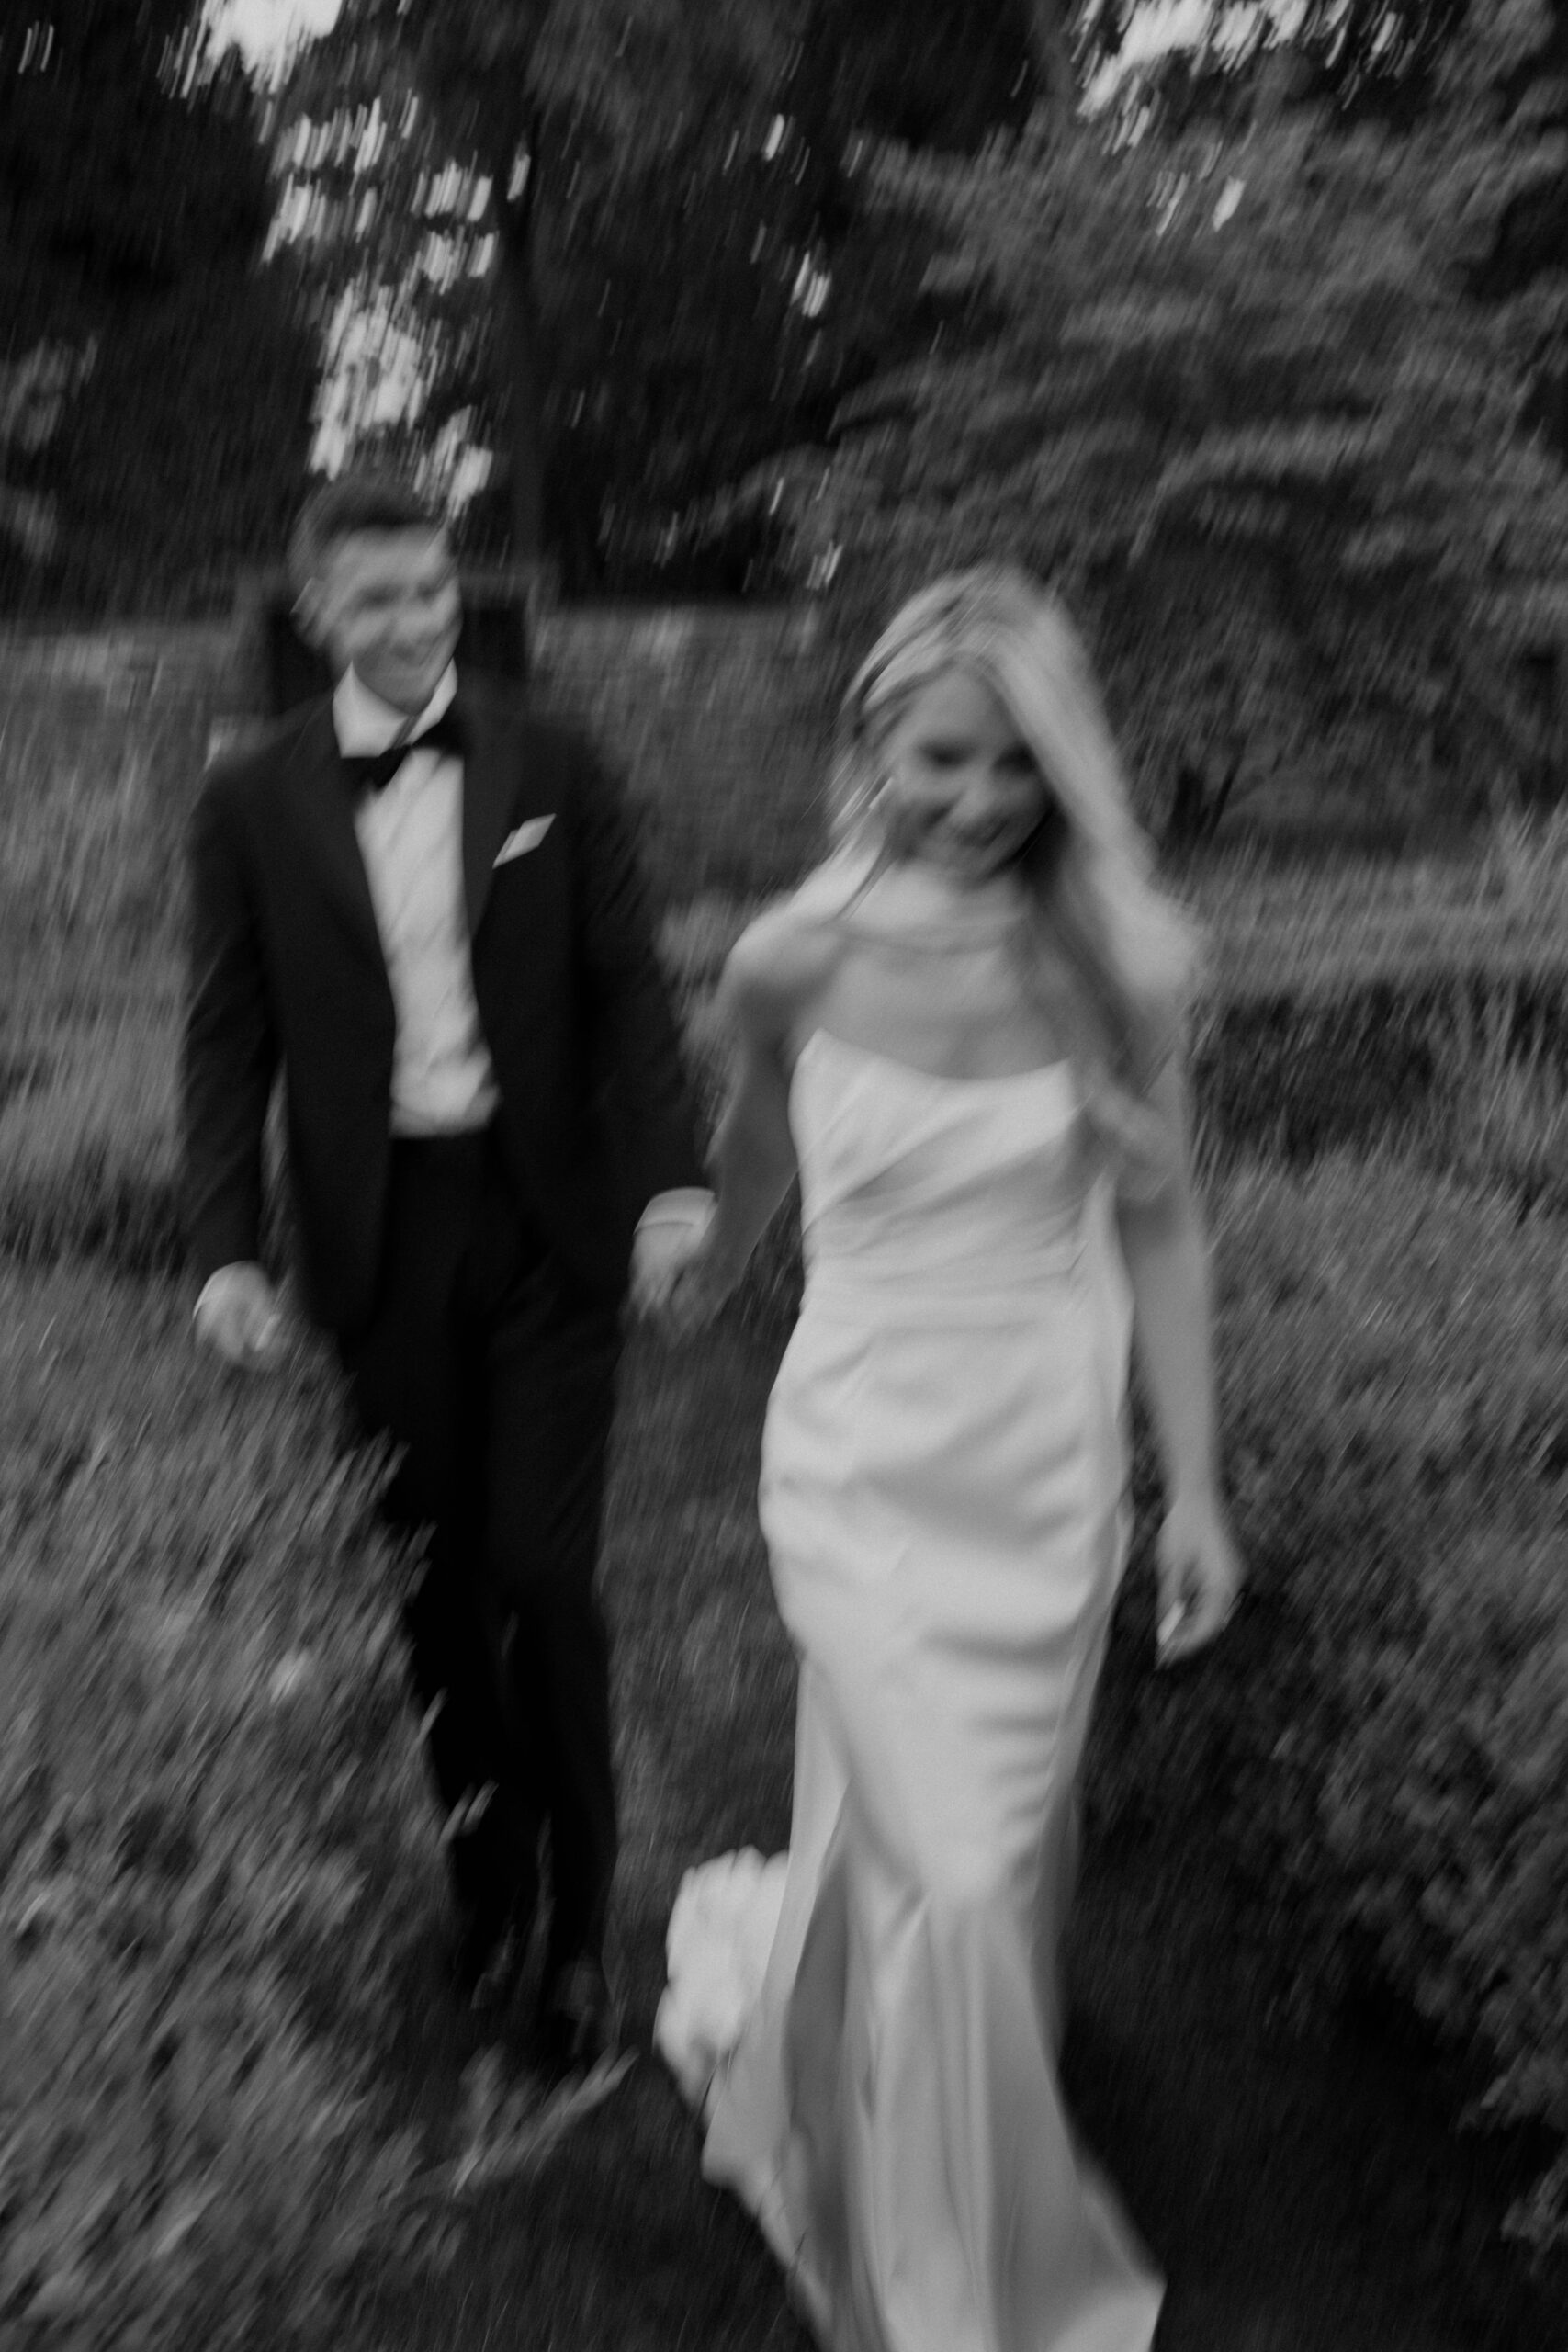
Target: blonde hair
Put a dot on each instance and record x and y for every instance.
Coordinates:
(1130, 951)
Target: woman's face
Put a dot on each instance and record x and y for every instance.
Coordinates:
(968, 791)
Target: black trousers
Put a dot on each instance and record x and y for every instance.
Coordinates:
(496, 1373)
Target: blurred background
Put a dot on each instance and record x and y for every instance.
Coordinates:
(1248, 324)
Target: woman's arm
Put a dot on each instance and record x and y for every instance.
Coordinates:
(753, 1153)
(1167, 1258)
(772, 973)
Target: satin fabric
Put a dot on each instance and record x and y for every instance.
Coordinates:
(944, 1496)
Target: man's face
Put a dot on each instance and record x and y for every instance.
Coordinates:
(387, 603)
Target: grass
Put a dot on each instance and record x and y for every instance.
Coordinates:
(1499, 1113)
(209, 1810)
(182, 1827)
(1310, 933)
(230, 1636)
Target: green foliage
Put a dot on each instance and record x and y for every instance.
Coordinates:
(90, 910)
(93, 801)
(89, 1147)
(1380, 1740)
(1311, 932)
(1443, 1813)
(717, 726)
(1247, 410)
(34, 391)
(495, 125)
(133, 203)
(1499, 1116)
(1370, 59)
(932, 74)
(716, 309)
(197, 1688)
(689, 278)
(621, 248)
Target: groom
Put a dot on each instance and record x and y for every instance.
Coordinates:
(422, 906)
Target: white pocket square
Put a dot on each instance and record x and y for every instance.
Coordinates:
(527, 836)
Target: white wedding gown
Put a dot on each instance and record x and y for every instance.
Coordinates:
(870, 2024)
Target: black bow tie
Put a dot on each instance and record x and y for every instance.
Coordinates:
(373, 771)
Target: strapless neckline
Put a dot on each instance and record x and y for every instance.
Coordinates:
(927, 1077)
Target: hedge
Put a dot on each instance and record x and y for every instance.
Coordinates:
(206, 1823)
(1380, 1745)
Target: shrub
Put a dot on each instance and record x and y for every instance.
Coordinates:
(198, 1784)
(1380, 1738)
(1238, 399)
(89, 1161)
(1500, 1111)
(92, 804)
(1465, 1066)
(1444, 1811)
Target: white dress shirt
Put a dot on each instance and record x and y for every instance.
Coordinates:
(411, 836)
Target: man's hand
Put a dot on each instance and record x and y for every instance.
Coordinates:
(1199, 1577)
(672, 1226)
(239, 1316)
(698, 1287)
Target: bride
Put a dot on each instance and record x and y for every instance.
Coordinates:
(963, 1032)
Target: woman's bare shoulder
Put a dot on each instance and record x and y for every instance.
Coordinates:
(783, 960)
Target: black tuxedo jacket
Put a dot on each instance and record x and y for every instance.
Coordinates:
(286, 967)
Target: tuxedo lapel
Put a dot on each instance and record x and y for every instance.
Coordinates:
(326, 812)
(490, 788)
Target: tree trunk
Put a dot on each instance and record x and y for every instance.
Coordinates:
(1054, 61)
(524, 372)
